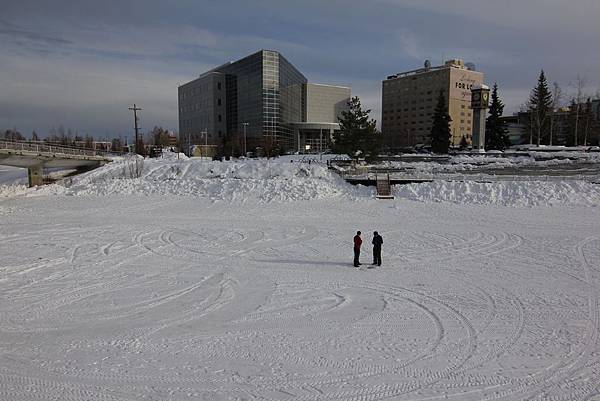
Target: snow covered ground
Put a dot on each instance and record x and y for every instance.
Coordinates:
(232, 281)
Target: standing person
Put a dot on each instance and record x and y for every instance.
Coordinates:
(377, 242)
(357, 244)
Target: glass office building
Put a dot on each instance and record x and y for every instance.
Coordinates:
(263, 90)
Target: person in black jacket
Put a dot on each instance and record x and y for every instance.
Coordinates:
(377, 242)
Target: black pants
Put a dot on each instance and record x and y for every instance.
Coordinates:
(356, 257)
(377, 255)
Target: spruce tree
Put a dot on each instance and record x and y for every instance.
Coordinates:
(496, 133)
(358, 135)
(440, 129)
(540, 107)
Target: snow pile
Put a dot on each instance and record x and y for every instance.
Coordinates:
(237, 181)
(506, 193)
(7, 191)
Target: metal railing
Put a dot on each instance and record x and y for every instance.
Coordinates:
(474, 177)
(41, 147)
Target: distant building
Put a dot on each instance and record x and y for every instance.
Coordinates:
(409, 100)
(323, 105)
(516, 129)
(172, 139)
(263, 92)
(520, 127)
(596, 109)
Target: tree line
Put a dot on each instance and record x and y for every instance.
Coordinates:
(546, 115)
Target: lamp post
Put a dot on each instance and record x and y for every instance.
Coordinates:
(205, 133)
(245, 125)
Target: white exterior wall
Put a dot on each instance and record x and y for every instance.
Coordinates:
(325, 103)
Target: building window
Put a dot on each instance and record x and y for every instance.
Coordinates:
(218, 102)
(218, 85)
(220, 119)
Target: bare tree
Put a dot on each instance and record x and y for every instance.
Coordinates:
(579, 86)
(588, 115)
(556, 98)
(269, 146)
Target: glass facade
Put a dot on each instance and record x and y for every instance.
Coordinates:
(265, 91)
(291, 83)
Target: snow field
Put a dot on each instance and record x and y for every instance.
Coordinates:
(171, 298)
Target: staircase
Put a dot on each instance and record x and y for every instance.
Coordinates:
(384, 189)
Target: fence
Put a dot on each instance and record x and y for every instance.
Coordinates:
(476, 177)
(49, 148)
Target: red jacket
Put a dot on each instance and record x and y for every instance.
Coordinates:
(357, 241)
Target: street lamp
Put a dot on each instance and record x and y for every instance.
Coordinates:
(205, 133)
(245, 125)
(188, 145)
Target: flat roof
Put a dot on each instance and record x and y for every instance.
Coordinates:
(331, 86)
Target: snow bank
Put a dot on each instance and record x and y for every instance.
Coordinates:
(237, 181)
(506, 193)
(285, 179)
(11, 190)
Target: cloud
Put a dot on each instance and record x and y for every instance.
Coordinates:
(409, 45)
(20, 36)
(80, 63)
(578, 16)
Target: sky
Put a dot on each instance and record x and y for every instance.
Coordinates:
(81, 64)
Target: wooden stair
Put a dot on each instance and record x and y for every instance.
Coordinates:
(384, 189)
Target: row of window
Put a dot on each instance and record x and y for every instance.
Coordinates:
(196, 90)
(202, 120)
(199, 106)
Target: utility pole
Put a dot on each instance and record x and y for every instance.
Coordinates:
(135, 119)
(245, 125)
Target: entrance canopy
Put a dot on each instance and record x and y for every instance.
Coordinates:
(313, 137)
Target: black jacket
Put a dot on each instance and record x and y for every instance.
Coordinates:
(377, 241)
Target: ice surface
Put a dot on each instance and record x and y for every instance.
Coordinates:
(158, 296)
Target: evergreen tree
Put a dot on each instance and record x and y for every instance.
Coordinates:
(440, 129)
(358, 135)
(496, 133)
(540, 107)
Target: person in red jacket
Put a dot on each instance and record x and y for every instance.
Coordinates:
(357, 244)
